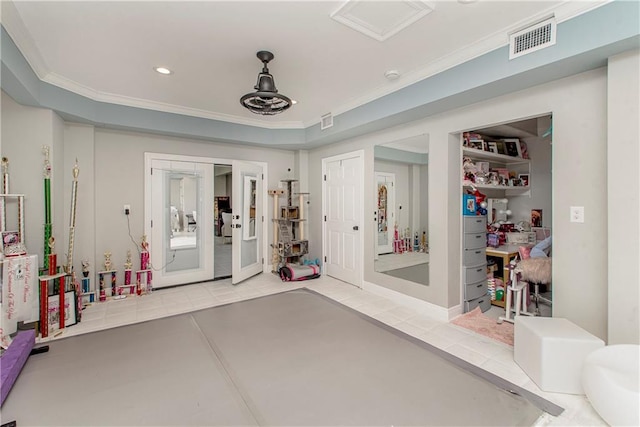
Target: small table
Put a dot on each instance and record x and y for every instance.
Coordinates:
(506, 253)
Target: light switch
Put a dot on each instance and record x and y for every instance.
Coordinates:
(577, 213)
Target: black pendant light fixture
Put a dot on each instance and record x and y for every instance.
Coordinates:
(266, 100)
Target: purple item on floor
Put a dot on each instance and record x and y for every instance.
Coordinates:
(13, 360)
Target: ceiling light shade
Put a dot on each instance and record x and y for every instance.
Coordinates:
(266, 100)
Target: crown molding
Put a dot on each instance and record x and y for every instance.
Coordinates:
(15, 27)
(563, 12)
(75, 87)
(12, 22)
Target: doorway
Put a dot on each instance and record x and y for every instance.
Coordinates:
(182, 226)
(223, 243)
(385, 192)
(343, 215)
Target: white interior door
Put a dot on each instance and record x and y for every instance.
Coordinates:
(342, 195)
(247, 223)
(386, 197)
(179, 220)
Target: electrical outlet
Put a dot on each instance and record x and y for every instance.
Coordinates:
(127, 209)
(577, 213)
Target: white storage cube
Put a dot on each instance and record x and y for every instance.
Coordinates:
(551, 351)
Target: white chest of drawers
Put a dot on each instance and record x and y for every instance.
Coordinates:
(474, 263)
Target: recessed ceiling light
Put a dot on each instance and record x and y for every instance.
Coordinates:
(163, 70)
(294, 102)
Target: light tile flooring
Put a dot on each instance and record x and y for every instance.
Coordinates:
(490, 355)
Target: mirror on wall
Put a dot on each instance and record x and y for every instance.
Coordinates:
(183, 210)
(401, 184)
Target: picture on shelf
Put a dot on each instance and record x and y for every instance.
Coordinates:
(53, 317)
(468, 204)
(512, 148)
(524, 178)
(477, 144)
(536, 217)
(12, 244)
(493, 147)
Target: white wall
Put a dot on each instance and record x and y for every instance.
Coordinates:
(25, 130)
(111, 175)
(578, 105)
(539, 196)
(120, 179)
(623, 158)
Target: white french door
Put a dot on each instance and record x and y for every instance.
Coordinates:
(179, 219)
(247, 223)
(343, 214)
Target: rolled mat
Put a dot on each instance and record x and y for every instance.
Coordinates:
(291, 272)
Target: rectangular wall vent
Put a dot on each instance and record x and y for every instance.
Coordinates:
(535, 37)
(326, 121)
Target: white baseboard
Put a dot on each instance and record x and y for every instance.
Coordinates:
(435, 311)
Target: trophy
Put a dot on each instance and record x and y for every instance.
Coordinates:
(85, 268)
(52, 261)
(107, 261)
(47, 209)
(144, 268)
(127, 272)
(86, 281)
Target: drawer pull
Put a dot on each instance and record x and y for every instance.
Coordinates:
(479, 270)
(478, 236)
(479, 285)
(480, 302)
(478, 252)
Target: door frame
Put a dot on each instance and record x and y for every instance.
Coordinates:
(325, 160)
(149, 156)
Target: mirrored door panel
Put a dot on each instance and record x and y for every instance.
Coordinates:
(247, 220)
(181, 232)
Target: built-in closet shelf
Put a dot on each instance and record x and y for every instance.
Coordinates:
(509, 190)
(493, 157)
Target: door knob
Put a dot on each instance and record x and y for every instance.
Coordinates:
(355, 228)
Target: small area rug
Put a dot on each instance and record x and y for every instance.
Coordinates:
(485, 325)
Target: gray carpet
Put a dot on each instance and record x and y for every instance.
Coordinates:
(416, 273)
(295, 358)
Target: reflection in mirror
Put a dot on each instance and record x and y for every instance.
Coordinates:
(401, 174)
(183, 210)
(386, 211)
(249, 208)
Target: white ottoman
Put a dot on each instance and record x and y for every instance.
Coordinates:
(610, 381)
(551, 352)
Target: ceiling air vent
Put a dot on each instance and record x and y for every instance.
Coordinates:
(530, 39)
(326, 121)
